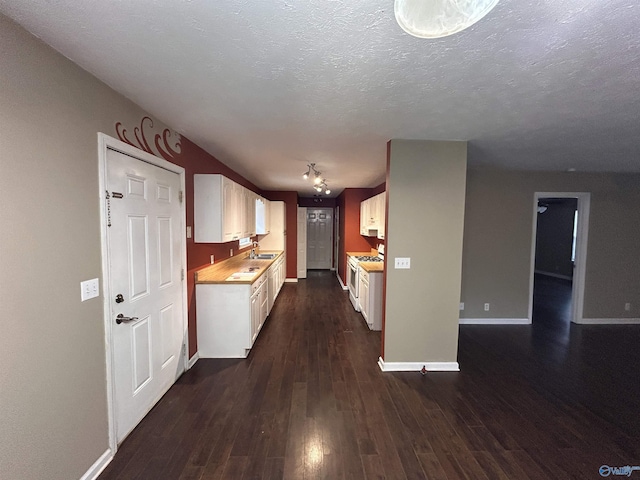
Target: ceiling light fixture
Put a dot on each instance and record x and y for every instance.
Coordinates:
(319, 183)
(311, 168)
(439, 18)
(322, 186)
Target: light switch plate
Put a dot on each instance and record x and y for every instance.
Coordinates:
(189, 231)
(402, 262)
(89, 289)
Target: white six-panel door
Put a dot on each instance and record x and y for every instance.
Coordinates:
(144, 243)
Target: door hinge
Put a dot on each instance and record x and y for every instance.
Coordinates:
(182, 274)
(180, 196)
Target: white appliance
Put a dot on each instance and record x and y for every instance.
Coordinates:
(352, 281)
(277, 238)
(353, 274)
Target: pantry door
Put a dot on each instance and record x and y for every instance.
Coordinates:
(147, 324)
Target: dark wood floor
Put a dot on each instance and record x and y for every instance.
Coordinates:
(547, 401)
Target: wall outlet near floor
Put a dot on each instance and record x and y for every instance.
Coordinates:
(212, 259)
(486, 307)
(627, 307)
(461, 306)
(231, 252)
(89, 289)
(402, 262)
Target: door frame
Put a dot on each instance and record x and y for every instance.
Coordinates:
(331, 210)
(106, 143)
(577, 288)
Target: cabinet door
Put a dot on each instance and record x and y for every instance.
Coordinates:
(364, 215)
(373, 211)
(264, 304)
(283, 272)
(271, 288)
(255, 316)
(382, 206)
(229, 209)
(261, 216)
(363, 297)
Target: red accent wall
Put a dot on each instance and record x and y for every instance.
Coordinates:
(350, 239)
(317, 202)
(291, 201)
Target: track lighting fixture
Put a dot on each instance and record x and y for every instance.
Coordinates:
(319, 183)
(311, 168)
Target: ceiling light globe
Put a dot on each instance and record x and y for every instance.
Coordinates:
(439, 18)
(305, 175)
(317, 180)
(327, 191)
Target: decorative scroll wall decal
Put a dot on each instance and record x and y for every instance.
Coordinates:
(165, 146)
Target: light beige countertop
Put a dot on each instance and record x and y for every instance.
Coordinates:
(368, 266)
(372, 267)
(362, 254)
(236, 270)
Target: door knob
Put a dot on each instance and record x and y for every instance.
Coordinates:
(122, 319)
(119, 298)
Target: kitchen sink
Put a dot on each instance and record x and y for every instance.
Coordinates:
(266, 256)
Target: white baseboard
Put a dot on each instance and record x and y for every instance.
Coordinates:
(344, 287)
(96, 469)
(495, 321)
(609, 321)
(193, 360)
(291, 280)
(417, 366)
(554, 275)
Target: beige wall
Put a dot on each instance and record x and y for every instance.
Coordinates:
(426, 196)
(52, 380)
(498, 234)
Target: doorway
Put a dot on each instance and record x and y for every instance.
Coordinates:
(560, 226)
(319, 238)
(144, 259)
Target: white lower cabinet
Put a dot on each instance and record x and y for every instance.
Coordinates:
(370, 298)
(230, 316)
(277, 274)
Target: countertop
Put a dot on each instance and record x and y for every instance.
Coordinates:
(370, 267)
(220, 272)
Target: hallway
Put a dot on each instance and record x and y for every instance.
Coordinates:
(310, 402)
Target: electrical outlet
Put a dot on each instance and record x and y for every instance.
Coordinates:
(402, 262)
(189, 233)
(212, 259)
(486, 307)
(231, 252)
(461, 306)
(89, 289)
(627, 307)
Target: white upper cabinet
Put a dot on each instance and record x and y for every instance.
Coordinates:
(223, 210)
(372, 216)
(262, 216)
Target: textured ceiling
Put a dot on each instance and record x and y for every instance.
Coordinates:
(267, 86)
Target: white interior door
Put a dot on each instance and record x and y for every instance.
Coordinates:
(319, 238)
(302, 242)
(144, 244)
